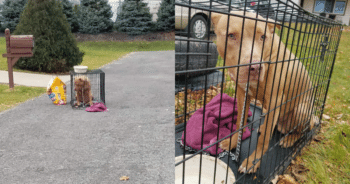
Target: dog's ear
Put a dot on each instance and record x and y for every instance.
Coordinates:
(215, 17)
(271, 26)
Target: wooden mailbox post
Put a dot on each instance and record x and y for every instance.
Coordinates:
(17, 46)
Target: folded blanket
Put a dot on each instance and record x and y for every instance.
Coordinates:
(211, 121)
(97, 107)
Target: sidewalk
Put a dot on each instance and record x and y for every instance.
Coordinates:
(30, 79)
(44, 143)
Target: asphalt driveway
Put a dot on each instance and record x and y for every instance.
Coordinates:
(44, 143)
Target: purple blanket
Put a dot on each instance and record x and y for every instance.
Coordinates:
(194, 124)
(97, 107)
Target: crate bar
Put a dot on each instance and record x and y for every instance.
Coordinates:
(205, 96)
(261, 59)
(284, 54)
(238, 147)
(185, 108)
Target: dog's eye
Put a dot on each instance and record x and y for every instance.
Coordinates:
(232, 36)
(263, 37)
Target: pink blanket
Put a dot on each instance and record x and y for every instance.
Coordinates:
(97, 107)
(194, 125)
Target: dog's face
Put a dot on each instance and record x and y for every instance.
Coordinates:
(249, 52)
(81, 84)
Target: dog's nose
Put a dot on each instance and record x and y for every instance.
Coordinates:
(255, 68)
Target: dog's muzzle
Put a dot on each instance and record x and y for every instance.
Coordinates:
(254, 72)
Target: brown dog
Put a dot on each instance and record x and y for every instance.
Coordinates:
(82, 87)
(288, 84)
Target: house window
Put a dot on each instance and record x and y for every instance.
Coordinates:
(319, 6)
(330, 6)
(339, 7)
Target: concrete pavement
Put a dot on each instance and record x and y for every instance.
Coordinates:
(30, 79)
(44, 143)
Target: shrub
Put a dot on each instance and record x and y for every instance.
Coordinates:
(55, 46)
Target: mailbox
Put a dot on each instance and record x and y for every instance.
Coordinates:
(21, 44)
(17, 46)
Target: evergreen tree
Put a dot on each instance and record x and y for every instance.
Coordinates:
(166, 16)
(95, 16)
(2, 23)
(11, 11)
(55, 47)
(70, 14)
(76, 10)
(134, 18)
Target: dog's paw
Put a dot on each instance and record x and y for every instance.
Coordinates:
(246, 167)
(225, 144)
(288, 141)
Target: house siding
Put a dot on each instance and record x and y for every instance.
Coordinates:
(309, 5)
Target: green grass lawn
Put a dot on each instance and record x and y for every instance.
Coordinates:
(9, 99)
(98, 54)
(327, 160)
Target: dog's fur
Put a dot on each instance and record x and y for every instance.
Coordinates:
(277, 79)
(82, 87)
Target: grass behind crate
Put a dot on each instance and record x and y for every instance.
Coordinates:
(230, 88)
(327, 159)
(98, 54)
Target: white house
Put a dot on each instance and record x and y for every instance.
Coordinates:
(334, 9)
(152, 4)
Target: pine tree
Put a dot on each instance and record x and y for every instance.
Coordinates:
(95, 16)
(76, 10)
(11, 11)
(1, 23)
(134, 18)
(70, 14)
(55, 47)
(166, 16)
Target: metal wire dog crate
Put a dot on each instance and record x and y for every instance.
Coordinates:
(94, 80)
(276, 59)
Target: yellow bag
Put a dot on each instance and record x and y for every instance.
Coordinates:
(56, 89)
